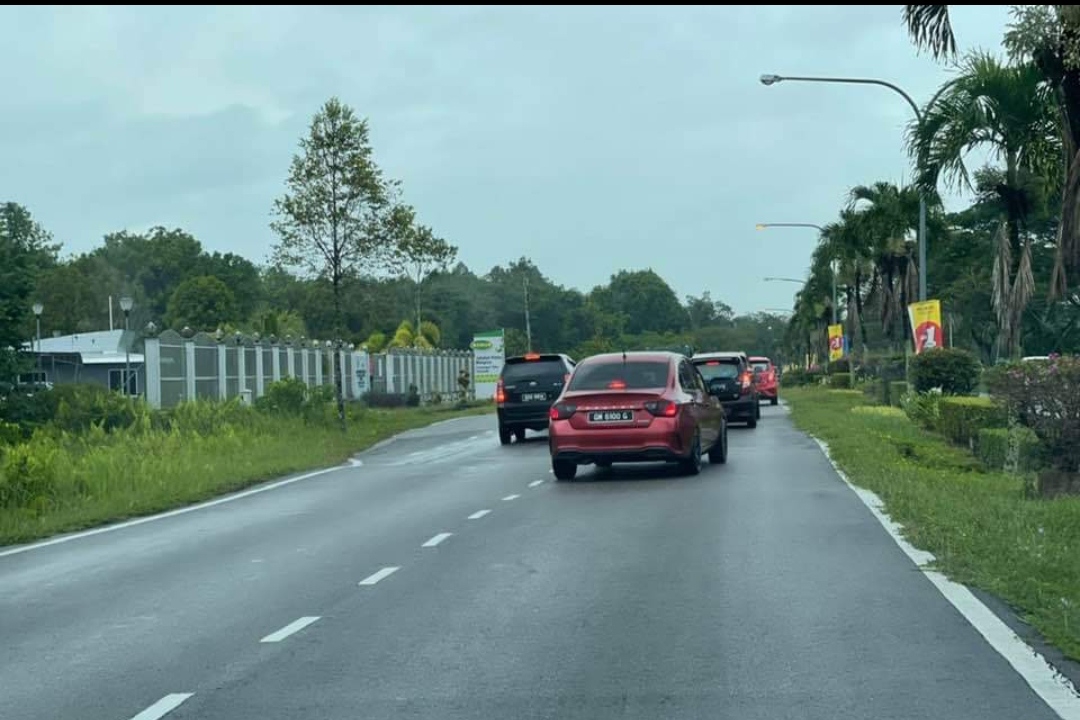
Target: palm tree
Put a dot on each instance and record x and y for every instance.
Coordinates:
(1049, 37)
(1010, 110)
(845, 242)
(886, 219)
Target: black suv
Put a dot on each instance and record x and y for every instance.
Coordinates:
(528, 386)
(733, 376)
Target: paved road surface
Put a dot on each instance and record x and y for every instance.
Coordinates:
(760, 589)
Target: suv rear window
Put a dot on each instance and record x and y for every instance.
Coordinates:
(713, 369)
(760, 365)
(632, 375)
(532, 369)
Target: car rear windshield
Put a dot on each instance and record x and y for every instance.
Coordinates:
(713, 369)
(531, 369)
(760, 365)
(631, 375)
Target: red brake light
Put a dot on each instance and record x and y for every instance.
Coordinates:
(617, 385)
(532, 356)
(662, 408)
(747, 379)
(562, 411)
(500, 393)
(712, 362)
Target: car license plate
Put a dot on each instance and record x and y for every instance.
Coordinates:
(532, 397)
(609, 416)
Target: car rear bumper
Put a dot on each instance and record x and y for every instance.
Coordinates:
(660, 443)
(769, 392)
(532, 416)
(741, 408)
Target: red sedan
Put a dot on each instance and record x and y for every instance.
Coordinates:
(635, 407)
(767, 378)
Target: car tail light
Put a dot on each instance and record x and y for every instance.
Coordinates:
(747, 380)
(616, 385)
(662, 408)
(562, 411)
(500, 392)
(532, 356)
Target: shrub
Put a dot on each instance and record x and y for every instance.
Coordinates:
(286, 396)
(922, 408)
(843, 365)
(961, 418)
(1045, 396)
(954, 371)
(377, 399)
(887, 367)
(840, 380)
(1015, 449)
(413, 398)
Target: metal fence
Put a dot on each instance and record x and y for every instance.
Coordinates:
(179, 368)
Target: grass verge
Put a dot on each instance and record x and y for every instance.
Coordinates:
(980, 526)
(59, 482)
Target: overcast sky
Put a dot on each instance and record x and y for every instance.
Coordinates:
(588, 139)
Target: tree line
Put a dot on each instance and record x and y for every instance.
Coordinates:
(1006, 268)
(351, 263)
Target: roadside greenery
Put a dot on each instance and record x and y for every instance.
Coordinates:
(81, 457)
(984, 525)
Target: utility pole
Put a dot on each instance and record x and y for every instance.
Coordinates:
(528, 323)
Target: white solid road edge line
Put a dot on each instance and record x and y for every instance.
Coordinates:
(293, 627)
(1052, 687)
(479, 514)
(433, 542)
(376, 577)
(171, 513)
(163, 707)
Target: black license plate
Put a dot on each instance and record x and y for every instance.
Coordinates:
(610, 416)
(533, 397)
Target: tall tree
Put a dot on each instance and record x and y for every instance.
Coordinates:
(419, 252)
(25, 247)
(332, 219)
(202, 303)
(1010, 110)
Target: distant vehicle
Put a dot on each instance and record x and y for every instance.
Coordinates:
(731, 371)
(526, 388)
(636, 407)
(767, 376)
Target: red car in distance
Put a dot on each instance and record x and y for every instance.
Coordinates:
(767, 378)
(635, 407)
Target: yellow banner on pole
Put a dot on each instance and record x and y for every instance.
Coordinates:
(925, 320)
(836, 342)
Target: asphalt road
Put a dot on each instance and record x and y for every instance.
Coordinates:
(759, 589)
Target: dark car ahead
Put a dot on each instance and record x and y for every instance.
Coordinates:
(528, 385)
(732, 371)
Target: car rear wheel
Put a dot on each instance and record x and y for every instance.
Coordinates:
(752, 422)
(504, 435)
(519, 435)
(563, 470)
(718, 452)
(692, 464)
(775, 400)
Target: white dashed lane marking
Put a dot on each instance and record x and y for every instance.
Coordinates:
(381, 575)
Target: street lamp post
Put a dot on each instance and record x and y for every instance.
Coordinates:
(770, 79)
(835, 269)
(38, 308)
(126, 304)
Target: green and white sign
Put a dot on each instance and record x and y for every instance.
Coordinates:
(489, 354)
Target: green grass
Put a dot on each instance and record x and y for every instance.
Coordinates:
(981, 527)
(59, 482)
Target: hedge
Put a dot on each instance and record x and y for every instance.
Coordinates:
(961, 418)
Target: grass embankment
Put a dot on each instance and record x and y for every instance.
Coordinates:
(981, 526)
(58, 482)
